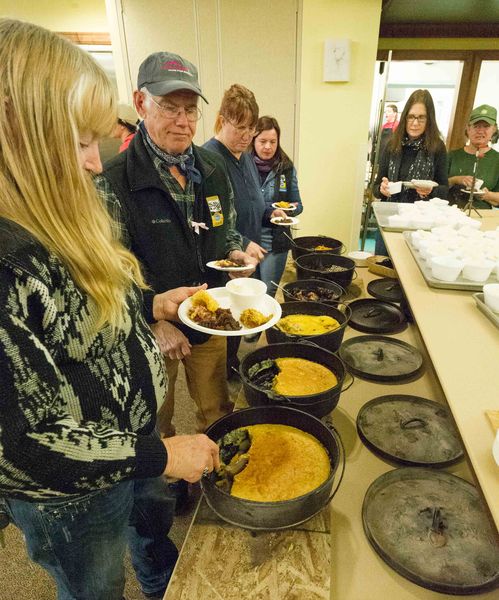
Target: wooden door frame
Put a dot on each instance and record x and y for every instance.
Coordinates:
(472, 62)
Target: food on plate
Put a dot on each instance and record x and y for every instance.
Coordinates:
(203, 298)
(271, 463)
(321, 248)
(314, 295)
(300, 324)
(282, 220)
(205, 311)
(283, 204)
(224, 263)
(291, 377)
(251, 318)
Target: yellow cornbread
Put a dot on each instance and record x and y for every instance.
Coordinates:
(284, 463)
(301, 377)
(307, 324)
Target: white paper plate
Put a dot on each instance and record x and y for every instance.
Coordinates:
(276, 221)
(476, 193)
(213, 265)
(290, 209)
(424, 183)
(267, 306)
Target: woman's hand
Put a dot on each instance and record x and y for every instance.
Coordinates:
(422, 192)
(165, 305)
(278, 213)
(190, 455)
(171, 341)
(383, 187)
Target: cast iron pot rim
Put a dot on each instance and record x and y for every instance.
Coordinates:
(297, 399)
(317, 490)
(315, 335)
(328, 254)
(314, 282)
(326, 237)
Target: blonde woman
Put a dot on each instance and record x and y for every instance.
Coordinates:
(80, 371)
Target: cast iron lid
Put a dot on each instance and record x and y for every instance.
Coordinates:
(430, 526)
(386, 288)
(380, 358)
(410, 431)
(376, 316)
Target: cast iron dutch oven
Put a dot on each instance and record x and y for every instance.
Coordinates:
(257, 394)
(318, 266)
(333, 294)
(307, 245)
(330, 340)
(274, 515)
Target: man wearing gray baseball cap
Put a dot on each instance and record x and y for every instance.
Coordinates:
(174, 205)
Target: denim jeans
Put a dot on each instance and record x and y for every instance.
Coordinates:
(273, 265)
(81, 542)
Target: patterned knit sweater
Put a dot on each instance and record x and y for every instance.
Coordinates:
(77, 408)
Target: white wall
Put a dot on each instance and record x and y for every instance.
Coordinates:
(252, 43)
(62, 15)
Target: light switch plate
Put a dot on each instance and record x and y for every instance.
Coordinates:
(336, 60)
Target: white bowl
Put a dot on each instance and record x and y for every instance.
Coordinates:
(438, 202)
(398, 221)
(491, 296)
(421, 222)
(477, 270)
(446, 268)
(246, 292)
(360, 257)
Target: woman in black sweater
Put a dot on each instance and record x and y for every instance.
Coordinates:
(81, 375)
(416, 151)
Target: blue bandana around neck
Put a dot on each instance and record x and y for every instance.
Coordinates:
(184, 162)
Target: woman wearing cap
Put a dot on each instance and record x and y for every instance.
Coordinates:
(126, 127)
(279, 184)
(415, 151)
(81, 373)
(476, 157)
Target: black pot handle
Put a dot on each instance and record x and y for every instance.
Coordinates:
(355, 275)
(343, 457)
(349, 385)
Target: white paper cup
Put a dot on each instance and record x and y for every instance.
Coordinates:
(491, 296)
(477, 270)
(446, 268)
(394, 187)
(246, 292)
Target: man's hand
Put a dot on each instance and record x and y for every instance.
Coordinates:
(171, 341)
(256, 251)
(465, 180)
(165, 305)
(190, 455)
(242, 258)
(422, 192)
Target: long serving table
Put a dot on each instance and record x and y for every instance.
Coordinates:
(329, 557)
(464, 348)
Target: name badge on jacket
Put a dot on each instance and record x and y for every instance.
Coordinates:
(217, 217)
(282, 184)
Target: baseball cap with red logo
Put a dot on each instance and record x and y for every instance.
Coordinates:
(162, 73)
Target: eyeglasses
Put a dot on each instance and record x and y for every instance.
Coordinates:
(242, 129)
(172, 111)
(418, 118)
